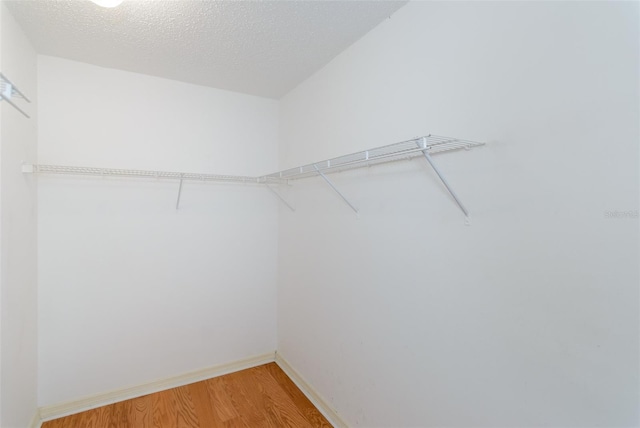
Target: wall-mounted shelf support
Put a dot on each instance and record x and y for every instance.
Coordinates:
(9, 92)
(344, 198)
(425, 152)
(179, 191)
(279, 196)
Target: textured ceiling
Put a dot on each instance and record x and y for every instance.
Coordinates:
(262, 48)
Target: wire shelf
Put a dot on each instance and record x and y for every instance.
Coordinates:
(90, 171)
(389, 153)
(422, 146)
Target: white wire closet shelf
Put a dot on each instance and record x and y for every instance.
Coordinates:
(9, 92)
(389, 153)
(137, 173)
(421, 146)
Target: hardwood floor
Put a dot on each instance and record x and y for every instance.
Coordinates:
(262, 396)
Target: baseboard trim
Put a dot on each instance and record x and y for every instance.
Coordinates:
(36, 422)
(55, 411)
(329, 412)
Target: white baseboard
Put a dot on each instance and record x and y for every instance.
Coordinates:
(36, 422)
(55, 411)
(317, 400)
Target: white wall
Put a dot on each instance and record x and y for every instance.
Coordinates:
(529, 317)
(18, 270)
(130, 289)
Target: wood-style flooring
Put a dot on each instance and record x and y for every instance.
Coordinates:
(262, 396)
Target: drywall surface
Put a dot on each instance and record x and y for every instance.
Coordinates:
(406, 317)
(132, 290)
(18, 221)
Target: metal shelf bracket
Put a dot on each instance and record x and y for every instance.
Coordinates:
(8, 92)
(279, 196)
(344, 198)
(425, 152)
(179, 191)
